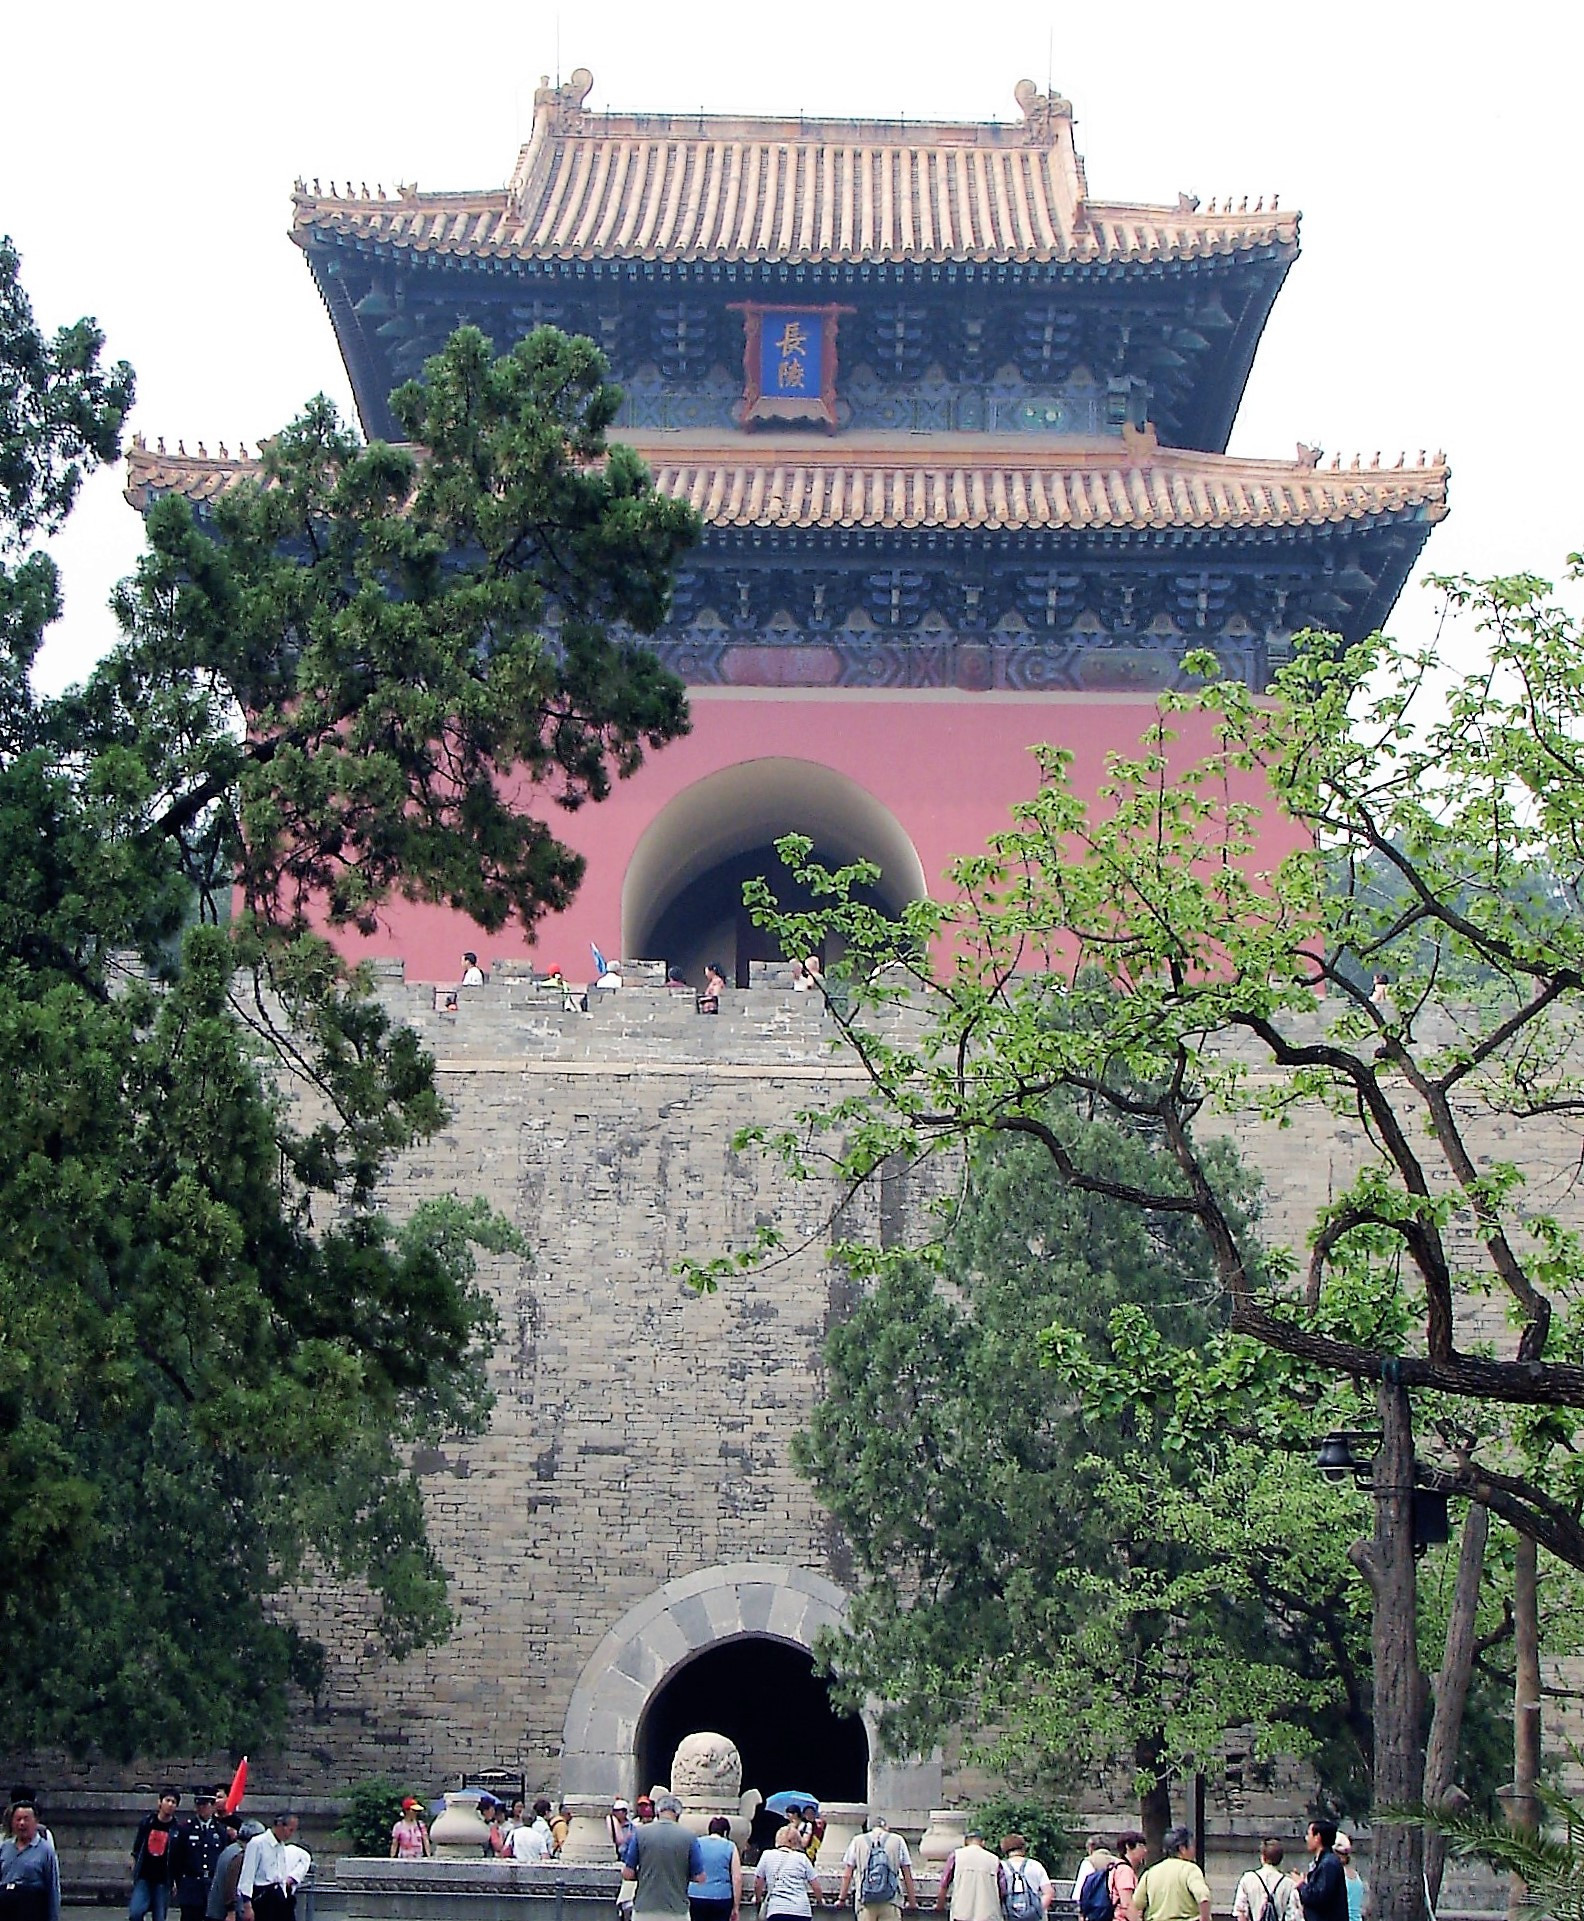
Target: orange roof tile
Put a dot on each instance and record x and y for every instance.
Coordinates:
(698, 187)
(958, 481)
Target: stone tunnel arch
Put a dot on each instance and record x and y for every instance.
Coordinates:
(681, 897)
(677, 1624)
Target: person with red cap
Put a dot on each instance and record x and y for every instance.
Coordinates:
(409, 1837)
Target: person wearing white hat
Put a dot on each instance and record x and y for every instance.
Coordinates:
(1357, 1886)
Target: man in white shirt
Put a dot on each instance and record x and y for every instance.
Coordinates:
(1265, 1893)
(1099, 1856)
(531, 1842)
(272, 1871)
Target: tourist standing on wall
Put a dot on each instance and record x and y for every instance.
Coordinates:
(785, 1880)
(1174, 1889)
(877, 1871)
(715, 1887)
(151, 1859)
(198, 1846)
(660, 1862)
(29, 1871)
(972, 1882)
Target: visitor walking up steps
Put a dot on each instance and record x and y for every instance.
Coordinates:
(785, 1879)
(973, 1882)
(877, 1874)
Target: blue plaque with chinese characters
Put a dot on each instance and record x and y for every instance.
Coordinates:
(791, 352)
(789, 364)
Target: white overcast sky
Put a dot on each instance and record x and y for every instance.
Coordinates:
(147, 156)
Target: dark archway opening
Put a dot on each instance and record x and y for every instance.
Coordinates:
(765, 1696)
(707, 922)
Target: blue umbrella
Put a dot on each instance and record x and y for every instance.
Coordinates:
(788, 1799)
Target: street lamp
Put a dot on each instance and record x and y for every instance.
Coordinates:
(1337, 1458)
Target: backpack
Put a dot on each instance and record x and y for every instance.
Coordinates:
(881, 1882)
(1097, 1897)
(1270, 1908)
(1020, 1903)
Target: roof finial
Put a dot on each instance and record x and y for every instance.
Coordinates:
(1421, 456)
(1041, 111)
(181, 448)
(562, 104)
(161, 445)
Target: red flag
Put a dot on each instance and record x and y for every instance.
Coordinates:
(237, 1789)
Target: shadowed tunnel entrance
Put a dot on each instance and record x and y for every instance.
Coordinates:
(682, 895)
(763, 1695)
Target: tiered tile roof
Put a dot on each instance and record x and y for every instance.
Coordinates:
(960, 481)
(702, 188)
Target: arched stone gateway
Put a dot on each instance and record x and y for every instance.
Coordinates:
(785, 1607)
(682, 894)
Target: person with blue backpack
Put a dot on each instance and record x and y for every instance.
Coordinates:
(1027, 1891)
(877, 1872)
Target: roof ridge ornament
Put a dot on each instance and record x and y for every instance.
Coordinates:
(1041, 111)
(562, 104)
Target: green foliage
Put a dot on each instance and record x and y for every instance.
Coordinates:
(1154, 953)
(60, 416)
(370, 1808)
(216, 1351)
(1550, 1862)
(1037, 1557)
(1050, 1838)
(416, 636)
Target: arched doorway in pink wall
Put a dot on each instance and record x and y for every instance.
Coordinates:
(682, 891)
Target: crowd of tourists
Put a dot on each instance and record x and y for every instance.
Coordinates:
(213, 1865)
(668, 1873)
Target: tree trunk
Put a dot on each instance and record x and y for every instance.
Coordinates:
(1452, 1684)
(1398, 1849)
(1523, 1809)
(1155, 1813)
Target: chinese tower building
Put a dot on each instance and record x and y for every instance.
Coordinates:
(956, 430)
(957, 433)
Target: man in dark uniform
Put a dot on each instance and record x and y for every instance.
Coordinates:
(198, 1847)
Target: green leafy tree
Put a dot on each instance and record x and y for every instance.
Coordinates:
(215, 1348)
(1184, 955)
(1034, 1562)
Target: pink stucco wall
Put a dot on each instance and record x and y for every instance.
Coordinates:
(948, 766)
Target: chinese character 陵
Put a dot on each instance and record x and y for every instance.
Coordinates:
(790, 373)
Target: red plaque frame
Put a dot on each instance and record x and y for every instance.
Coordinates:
(758, 407)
